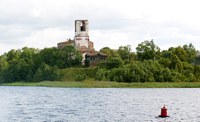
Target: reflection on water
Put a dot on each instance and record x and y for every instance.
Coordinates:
(27, 104)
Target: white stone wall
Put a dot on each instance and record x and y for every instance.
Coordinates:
(81, 37)
(82, 41)
(78, 28)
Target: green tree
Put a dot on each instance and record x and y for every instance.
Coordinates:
(180, 52)
(119, 74)
(12, 72)
(114, 63)
(72, 57)
(137, 72)
(147, 50)
(101, 74)
(109, 52)
(51, 57)
(197, 60)
(3, 67)
(62, 58)
(45, 72)
(166, 62)
(125, 52)
(197, 72)
(27, 63)
(176, 63)
(191, 53)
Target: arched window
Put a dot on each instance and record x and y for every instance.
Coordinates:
(83, 26)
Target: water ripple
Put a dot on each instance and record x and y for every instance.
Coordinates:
(41, 104)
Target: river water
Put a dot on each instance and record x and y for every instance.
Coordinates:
(43, 104)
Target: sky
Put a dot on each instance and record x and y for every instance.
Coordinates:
(112, 23)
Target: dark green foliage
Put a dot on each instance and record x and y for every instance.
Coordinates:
(72, 57)
(29, 64)
(177, 64)
(62, 58)
(191, 53)
(87, 63)
(137, 72)
(45, 72)
(80, 77)
(147, 50)
(119, 74)
(197, 60)
(114, 63)
(109, 52)
(125, 53)
(197, 72)
(166, 62)
(179, 52)
(69, 74)
(101, 74)
(172, 65)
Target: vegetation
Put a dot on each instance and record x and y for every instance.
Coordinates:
(107, 84)
(148, 64)
(29, 64)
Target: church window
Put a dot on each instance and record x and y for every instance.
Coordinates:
(82, 25)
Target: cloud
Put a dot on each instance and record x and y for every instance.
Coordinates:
(48, 37)
(44, 23)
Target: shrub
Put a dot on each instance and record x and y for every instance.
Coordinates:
(114, 63)
(80, 77)
(119, 74)
(101, 74)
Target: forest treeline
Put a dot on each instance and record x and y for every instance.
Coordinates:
(148, 64)
(30, 64)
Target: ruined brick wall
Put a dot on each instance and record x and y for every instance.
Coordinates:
(65, 43)
(81, 39)
(81, 33)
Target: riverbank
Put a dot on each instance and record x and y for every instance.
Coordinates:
(107, 84)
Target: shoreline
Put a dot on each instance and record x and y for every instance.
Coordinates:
(105, 84)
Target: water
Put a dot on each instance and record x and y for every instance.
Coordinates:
(41, 104)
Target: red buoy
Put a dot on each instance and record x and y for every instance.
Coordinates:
(163, 112)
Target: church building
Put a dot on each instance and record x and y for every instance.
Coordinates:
(83, 44)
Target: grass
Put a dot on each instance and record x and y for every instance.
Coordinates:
(107, 84)
(70, 74)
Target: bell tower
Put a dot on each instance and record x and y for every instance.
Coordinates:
(81, 34)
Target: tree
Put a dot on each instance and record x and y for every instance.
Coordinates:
(187, 53)
(3, 67)
(62, 58)
(137, 72)
(12, 72)
(176, 63)
(101, 74)
(114, 63)
(197, 60)
(45, 72)
(119, 74)
(147, 50)
(27, 63)
(109, 52)
(50, 56)
(12, 55)
(72, 57)
(180, 52)
(191, 53)
(166, 62)
(124, 52)
(197, 71)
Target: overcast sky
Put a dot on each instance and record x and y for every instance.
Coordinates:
(112, 23)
